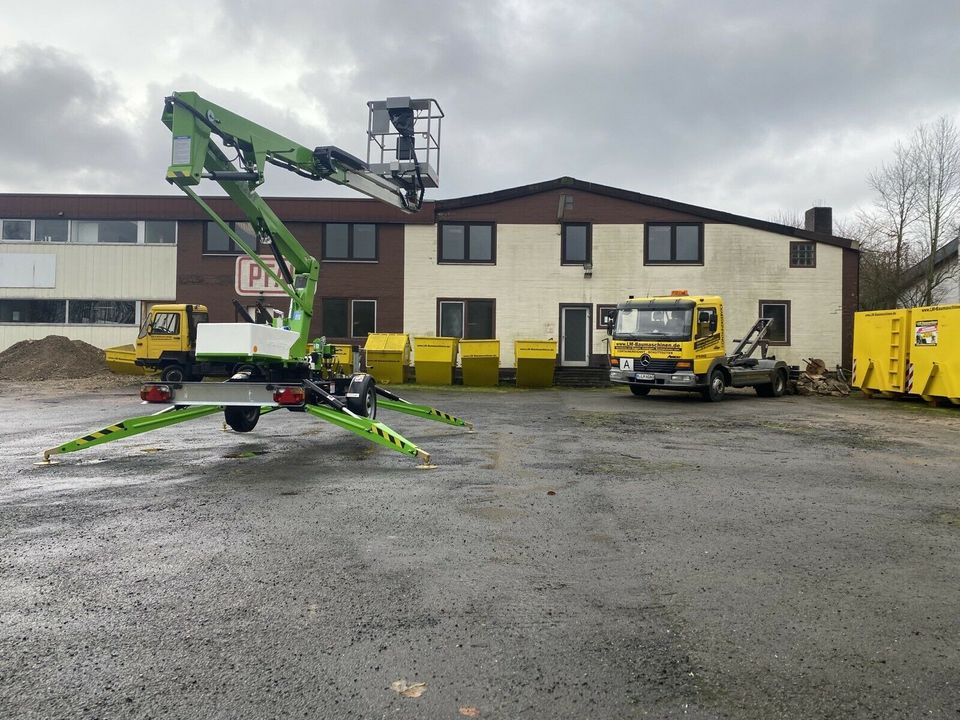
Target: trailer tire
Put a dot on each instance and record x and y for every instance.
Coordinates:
(241, 418)
(362, 396)
(775, 388)
(174, 372)
(639, 390)
(716, 386)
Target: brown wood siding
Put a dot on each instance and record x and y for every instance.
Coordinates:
(541, 209)
(175, 207)
(850, 294)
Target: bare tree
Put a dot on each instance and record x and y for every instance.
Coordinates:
(897, 204)
(936, 150)
(790, 218)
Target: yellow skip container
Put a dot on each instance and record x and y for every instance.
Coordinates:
(480, 362)
(434, 358)
(387, 355)
(934, 370)
(536, 360)
(881, 350)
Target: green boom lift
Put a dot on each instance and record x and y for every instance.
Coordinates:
(276, 366)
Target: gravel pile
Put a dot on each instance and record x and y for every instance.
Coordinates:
(52, 358)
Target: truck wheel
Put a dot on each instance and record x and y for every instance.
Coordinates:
(173, 373)
(241, 418)
(639, 390)
(716, 387)
(362, 396)
(775, 388)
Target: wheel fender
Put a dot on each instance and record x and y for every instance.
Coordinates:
(717, 364)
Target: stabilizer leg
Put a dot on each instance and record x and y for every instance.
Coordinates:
(390, 401)
(132, 426)
(371, 430)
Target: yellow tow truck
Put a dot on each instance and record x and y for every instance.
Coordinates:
(676, 342)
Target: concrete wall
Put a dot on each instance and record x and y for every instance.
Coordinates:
(743, 265)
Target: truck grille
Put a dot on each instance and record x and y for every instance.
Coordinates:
(660, 366)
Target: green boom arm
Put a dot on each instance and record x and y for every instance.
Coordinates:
(196, 156)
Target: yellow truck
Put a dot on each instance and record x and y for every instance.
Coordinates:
(165, 344)
(676, 342)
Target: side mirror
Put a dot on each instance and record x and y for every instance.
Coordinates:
(609, 325)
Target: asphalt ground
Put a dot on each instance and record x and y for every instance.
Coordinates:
(583, 554)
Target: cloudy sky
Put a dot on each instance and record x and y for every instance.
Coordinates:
(755, 107)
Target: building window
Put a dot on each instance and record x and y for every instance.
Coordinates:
(779, 312)
(363, 317)
(575, 244)
(102, 312)
(343, 318)
(51, 231)
(104, 231)
(673, 244)
(803, 254)
(605, 314)
(467, 243)
(350, 241)
(17, 230)
(33, 311)
(467, 319)
(217, 242)
(160, 232)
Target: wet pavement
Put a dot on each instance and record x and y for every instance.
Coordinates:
(583, 554)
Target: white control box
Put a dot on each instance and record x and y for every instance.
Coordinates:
(243, 339)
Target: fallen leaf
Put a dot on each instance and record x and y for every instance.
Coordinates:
(407, 690)
(468, 711)
(551, 492)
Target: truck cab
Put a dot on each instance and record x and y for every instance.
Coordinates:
(677, 342)
(167, 339)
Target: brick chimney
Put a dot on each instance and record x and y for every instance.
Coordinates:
(819, 220)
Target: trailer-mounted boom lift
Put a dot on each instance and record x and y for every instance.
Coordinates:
(275, 365)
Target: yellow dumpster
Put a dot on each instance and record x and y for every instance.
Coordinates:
(387, 355)
(434, 358)
(536, 360)
(343, 356)
(934, 369)
(480, 361)
(120, 359)
(881, 350)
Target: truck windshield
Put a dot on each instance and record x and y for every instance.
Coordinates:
(653, 324)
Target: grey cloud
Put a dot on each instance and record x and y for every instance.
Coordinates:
(727, 105)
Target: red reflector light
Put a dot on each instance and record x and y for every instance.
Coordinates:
(289, 396)
(156, 393)
(615, 362)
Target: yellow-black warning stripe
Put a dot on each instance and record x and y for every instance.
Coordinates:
(99, 434)
(392, 439)
(445, 416)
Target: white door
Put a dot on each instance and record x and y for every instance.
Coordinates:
(575, 336)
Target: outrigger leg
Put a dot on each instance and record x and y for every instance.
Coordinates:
(394, 402)
(132, 426)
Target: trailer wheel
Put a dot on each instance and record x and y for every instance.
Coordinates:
(362, 396)
(775, 388)
(716, 387)
(639, 390)
(241, 418)
(173, 373)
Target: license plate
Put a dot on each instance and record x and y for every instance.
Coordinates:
(644, 376)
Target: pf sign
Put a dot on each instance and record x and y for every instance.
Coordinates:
(252, 280)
